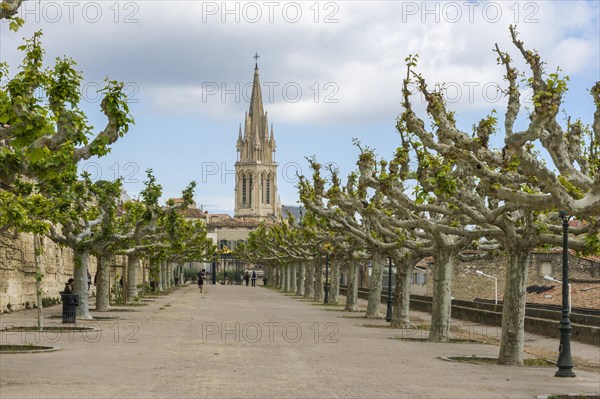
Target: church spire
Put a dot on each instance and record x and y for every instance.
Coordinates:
(240, 141)
(256, 172)
(256, 103)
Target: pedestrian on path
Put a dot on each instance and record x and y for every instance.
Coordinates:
(69, 286)
(247, 277)
(254, 278)
(200, 281)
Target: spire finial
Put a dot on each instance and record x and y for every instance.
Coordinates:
(256, 57)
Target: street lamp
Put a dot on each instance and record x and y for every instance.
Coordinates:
(388, 314)
(565, 363)
(550, 278)
(480, 273)
(326, 278)
(214, 271)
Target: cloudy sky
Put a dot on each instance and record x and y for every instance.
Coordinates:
(331, 71)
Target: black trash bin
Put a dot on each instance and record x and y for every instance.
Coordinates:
(265, 281)
(69, 309)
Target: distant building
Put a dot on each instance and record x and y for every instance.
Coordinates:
(256, 194)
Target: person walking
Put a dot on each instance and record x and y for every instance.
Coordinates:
(247, 277)
(254, 278)
(200, 281)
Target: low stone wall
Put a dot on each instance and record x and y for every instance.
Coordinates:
(585, 328)
(17, 270)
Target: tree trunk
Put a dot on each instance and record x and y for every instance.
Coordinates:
(281, 277)
(102, 284)
(81, 286)
(181, 267)
(309, 283)
(300, 278)
(288, 278)
(442, 300)
(166, 275)
(133, 263)
(143, 263)
(401, 306)
(268, 275)
(37, 252)
(161, 275)
(156, 272)
(513, 308)
(293, 277)
(318, 266)
(171, 274)
(334, 292)
(373, 306)
(352, 291)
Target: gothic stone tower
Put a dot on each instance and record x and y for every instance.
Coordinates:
(256, 170)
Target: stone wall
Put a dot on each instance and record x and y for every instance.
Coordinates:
(17, 270)
(467, 285)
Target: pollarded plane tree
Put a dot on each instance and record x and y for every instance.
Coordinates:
(193, 245)
(299, 245)
(496, 193)
(145, 230)
(348, 253)
(260, 249)
(187, 239)
(342, 217)
(288, 243)
(426, 225)
(83, 217)
(164, 239)
(43, 136)
(349, 249)
(9, 8)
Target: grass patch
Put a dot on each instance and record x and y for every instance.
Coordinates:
(351, 317)
(27, 348)
(94, 318)
(425, 339)
(48, 328)
(339, 309)
(530, 362)
(328, 304)
(375, 325)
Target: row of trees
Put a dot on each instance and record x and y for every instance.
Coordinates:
(44, 134)
(445, 191)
